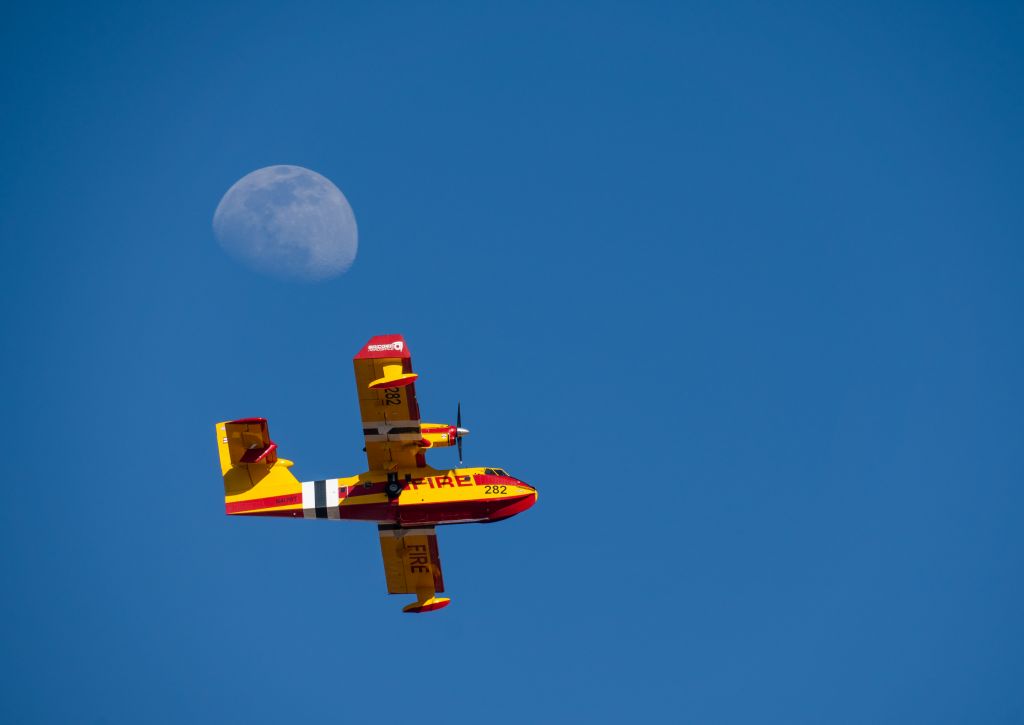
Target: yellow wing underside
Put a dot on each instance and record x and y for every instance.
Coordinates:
(412, 564)
(391, 415)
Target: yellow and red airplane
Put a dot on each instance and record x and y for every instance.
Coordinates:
(400, 492)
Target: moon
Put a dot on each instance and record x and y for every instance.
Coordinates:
(288, 222)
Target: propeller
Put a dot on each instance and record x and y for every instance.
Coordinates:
(459, 431)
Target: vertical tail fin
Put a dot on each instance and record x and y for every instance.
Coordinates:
(248, 456)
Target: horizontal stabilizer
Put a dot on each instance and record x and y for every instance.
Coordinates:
(265, 454)
(248, 441)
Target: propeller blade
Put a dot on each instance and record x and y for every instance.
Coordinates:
(458, 430)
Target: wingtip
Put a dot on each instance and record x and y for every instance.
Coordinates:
(430, 605)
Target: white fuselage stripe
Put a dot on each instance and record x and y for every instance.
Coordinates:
(309, 499)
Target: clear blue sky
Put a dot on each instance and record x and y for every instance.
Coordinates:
(737, 287)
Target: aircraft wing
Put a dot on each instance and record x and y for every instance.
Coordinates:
(387, 404)
(412, 565)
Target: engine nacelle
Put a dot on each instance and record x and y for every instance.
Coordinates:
(438, 435)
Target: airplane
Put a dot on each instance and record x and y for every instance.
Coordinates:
(405, 497)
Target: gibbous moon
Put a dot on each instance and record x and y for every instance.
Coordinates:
(288, 222)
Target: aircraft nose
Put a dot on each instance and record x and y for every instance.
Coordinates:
(528, 486)
(460, 432)
(516, 501)
(533, 490)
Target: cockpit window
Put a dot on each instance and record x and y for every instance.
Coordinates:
(490, 472)
(500, 472)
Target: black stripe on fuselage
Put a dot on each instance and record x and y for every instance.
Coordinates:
(320, 498)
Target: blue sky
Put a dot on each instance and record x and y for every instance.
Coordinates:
(736, 286)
